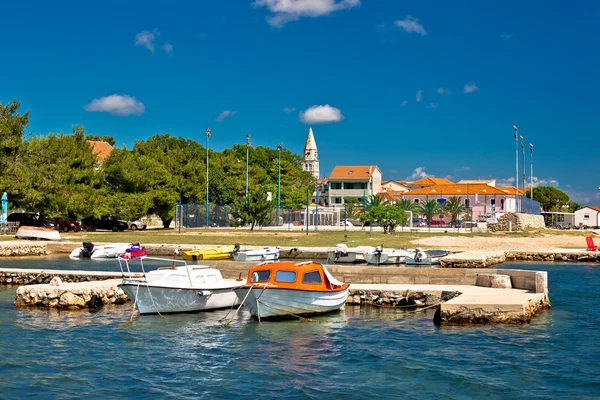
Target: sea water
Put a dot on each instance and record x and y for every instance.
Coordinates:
(354, 354)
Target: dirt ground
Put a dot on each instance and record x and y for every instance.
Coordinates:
(543, 242)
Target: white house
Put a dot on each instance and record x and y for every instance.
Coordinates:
(356, 182)
(588, 216)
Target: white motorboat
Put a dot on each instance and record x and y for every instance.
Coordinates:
(106, 251)
(266, 254)
(380, 256)
(345, 254)
(421, 257)
(178, 288)
(291, 289)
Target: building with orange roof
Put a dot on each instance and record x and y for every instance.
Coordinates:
(100, 149)
(484, 200)
(396, 186)
(353, 181)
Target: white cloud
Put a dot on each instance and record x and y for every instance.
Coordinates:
(442, 92)
(507, 36)
(433, 105)
(145, 39)
(284, 11)
(419, 95)
(116, 105)
(411, 24)
(321, 114)
(404, 103)
(541, 182)
(225, 114)
(167, 48)
(418, 173)
(289, 109)
(471, 87)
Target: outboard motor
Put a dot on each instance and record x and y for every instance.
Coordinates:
(87, 250)
(340, 250)
(236, 248)
(378, 251)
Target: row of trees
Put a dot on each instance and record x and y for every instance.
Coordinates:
(389, 216)
(57, 174)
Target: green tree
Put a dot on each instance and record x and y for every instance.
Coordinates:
(386, 215)
(255, 210)
(12, 132)
(453, 207)
(105, 138)
(550, 198)
(429, 208)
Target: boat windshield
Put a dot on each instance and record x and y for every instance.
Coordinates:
(285, 276)
(260, 276)
(312, 278)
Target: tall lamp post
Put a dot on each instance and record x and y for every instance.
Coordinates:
(516, 135)
(208, 131)
(279, 148)
(247, 147)
(524, 176)
(531, 171)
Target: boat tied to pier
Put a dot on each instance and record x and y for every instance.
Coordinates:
(178, 287)
(88, 250)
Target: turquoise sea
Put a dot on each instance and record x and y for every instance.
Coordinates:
(357, 353)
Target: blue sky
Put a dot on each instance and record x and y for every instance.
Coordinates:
(415, 87)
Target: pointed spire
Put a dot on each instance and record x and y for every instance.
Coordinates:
(310, 141)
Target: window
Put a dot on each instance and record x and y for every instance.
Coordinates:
(336, 185)
(312, 278)
(417, 201)
(337, 200)
(502, 204)
(285, 276)
(441, 201)
(493, 202)
(586, 216)
(199, 280)
(467, 203)
(310, 167)
(212, 279)
(260, 276)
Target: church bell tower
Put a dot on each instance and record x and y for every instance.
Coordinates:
(311, 157)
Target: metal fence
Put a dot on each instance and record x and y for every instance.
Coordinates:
(528, 206)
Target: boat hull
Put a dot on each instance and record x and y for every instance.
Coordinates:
(108, 251)
(350, 257)
(256, 255)
(217, 253)
(152, 299)
(32, 232)
(409, 260)
(384, 258)
(280, 303)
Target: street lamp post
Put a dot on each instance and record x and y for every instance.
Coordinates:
(524, 176)
(531, 171)
(247, 147)
(279, 148)
(516, 135)
(208, 131)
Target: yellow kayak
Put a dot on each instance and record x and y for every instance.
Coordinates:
(214, 253)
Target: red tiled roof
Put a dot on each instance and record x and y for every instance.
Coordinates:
(594, 208)
(353, 172)
(100, 149)
(429, 181)
(458, 190)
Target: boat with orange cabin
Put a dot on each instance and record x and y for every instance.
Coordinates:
(291, 289)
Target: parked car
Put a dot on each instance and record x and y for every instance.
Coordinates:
(419, 222)
(135, 225)
(437, 223)
(66, 225)
(455, 224)
(106, 222)
(30, 219)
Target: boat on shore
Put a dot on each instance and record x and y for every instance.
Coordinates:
(35, 232)
(344, 254)
(380, 256)
(291, 289)
(213, 253)
(265, 254)
(88, 250)
(178, 287)
(425, 257)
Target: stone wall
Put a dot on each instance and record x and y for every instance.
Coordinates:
(36, 277)
(517, 222)
(543, 256)
(9, 249)
(406, 299)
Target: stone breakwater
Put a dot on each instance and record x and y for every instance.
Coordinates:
(401, 299)
(37, 276)
(71, 296)
(21, 249)
(544, 256)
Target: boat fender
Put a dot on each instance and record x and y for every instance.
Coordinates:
(204, 293)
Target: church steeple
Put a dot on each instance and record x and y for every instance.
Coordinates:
(311, 157)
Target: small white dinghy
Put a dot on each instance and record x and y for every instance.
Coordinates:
(107, 251)
(178, 288)
(421, 257)
(266, 254)
(379, 256)
(344, 254)
(34, 232)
